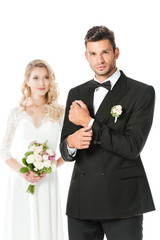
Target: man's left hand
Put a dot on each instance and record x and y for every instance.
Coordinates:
(79, 113)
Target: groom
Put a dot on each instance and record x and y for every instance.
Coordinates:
(106, 125)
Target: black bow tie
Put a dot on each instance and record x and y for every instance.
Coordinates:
(94, 84)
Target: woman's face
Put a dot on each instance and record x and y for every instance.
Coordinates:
(39, 81)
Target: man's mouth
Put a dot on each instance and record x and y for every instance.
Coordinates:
(101, 68)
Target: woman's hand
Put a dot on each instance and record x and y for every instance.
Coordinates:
(33, 177)
(30, 176)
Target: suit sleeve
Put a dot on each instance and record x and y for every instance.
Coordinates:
(130, 142)
(68, 129)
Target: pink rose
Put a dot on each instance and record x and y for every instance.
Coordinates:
(51, 158)
(45, 153)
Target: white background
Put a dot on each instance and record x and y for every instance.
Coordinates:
(54, 31)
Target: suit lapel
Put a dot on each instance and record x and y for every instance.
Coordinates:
(112, 98)
(87, 97)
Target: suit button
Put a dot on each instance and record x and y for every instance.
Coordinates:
(82, 173)
(102, 173)
(96, 142)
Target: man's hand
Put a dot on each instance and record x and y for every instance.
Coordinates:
(79, 114)
(80, 139)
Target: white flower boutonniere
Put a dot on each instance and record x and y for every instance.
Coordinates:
(116, 111)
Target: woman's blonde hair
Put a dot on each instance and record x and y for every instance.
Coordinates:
(54, 109)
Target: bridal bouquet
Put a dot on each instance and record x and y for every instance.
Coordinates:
(40, 159)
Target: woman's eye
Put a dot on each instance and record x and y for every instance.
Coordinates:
(35, 78)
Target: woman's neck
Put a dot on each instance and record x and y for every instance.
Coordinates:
(38, 101)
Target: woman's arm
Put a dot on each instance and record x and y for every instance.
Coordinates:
(30, 176)
(60, 161)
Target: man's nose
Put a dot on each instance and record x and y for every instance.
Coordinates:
(100, 59)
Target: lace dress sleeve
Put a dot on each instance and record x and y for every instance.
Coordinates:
(7, 140)
(61, 121)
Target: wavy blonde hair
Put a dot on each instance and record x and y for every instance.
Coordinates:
(54, 109)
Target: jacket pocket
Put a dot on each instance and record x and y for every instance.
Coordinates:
(131, 172)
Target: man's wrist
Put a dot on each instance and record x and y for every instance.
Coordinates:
(69, 142)
(86, 123)
(72, 151)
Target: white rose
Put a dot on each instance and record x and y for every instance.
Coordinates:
(45, 157)
(119, 111)
(30, 159)
(39, 165)
(119, 107)
(38, 157)
(38, 149)
(47, 164)
(32, 148)
(50, 152)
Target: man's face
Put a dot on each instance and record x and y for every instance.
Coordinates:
(101, 58)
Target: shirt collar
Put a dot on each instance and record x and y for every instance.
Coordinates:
(113, 78)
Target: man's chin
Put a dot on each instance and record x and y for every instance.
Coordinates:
(105, 73)
(102, 74)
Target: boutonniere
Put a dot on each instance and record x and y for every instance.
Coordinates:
(116, 111)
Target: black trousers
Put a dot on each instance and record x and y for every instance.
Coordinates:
(115, 229)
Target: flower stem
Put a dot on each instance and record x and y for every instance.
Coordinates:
(31, 189)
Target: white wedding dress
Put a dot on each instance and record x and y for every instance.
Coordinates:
(38, 216)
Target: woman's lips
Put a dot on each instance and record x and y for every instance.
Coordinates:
(41, 89)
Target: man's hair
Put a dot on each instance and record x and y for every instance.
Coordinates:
(98, 33)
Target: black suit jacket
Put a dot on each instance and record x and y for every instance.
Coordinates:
(109, 179)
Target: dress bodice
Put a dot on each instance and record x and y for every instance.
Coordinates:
(21, 131)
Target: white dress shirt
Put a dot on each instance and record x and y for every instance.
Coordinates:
(99, 95)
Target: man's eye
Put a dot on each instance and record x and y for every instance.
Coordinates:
(92, 54)
(105, 52)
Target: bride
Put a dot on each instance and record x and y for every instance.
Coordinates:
(38, 118)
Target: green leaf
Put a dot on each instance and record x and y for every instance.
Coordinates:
(31, 166)
(24, 161)
(47, 170)
(24, 170)
(45, 143)
(33, 143)
(28, 153)
(45, 148)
